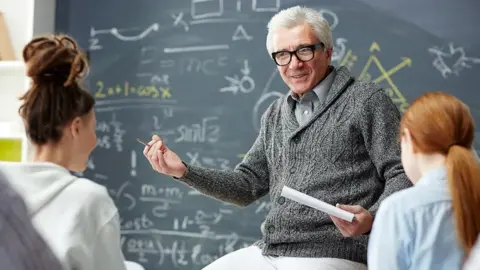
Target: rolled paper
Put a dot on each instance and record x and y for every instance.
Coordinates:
(305, 199)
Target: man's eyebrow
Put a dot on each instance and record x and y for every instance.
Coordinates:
(304, 45)
(298, 46)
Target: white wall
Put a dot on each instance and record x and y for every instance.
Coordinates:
(24, 19)
(12, 78)
(44, 17)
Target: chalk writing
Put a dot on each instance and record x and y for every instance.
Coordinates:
(202, 221)
(133, 171)
(201, 9)
(332, 16)
(240, 34)
(116, 32)
(339, 50)
(244, 84)
(167, 192)
(452, 60)
(196, 48)
(207, 130)
(206, 66)
(201, 132)
(147, 53)
(90, 164)
(263, 207)
(391, 89)
(265, 5)
(203, 161)
(128, 90)
(261, 105)
(178, 21)
(349, 59)
(120, 195)
(178, 252)
(139, 223)
(110, 133)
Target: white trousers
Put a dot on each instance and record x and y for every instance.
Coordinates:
(251, 258)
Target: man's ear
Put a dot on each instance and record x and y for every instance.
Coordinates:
(75, 126)
(329, 53)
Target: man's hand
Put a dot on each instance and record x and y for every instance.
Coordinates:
(162, 159)
(361, 224)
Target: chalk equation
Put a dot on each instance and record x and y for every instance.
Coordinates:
(195, 158)
(209, 66)
(110, 134)
(166, 237)
(178, 253)
(127, 90)
(452, 60)
(243, 83)
(207, 130)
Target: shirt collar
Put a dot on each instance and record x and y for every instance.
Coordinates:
(433, 176)
(320, 91)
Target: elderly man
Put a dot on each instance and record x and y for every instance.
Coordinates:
(331, 137)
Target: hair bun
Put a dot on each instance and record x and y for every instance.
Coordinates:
(55, 58)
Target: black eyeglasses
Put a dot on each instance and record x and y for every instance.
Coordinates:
(303, 53)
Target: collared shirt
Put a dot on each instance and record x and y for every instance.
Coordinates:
(21, 246)
(305, 106)
(414, 228)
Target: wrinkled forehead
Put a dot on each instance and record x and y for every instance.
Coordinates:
(292, 38)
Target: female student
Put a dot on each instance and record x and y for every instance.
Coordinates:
(76, 216)
(435, 223)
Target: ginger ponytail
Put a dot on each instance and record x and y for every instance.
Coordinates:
(441, 123)
(463, 174)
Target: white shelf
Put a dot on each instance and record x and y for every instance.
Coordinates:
(15, 131)
(19, 18)
(9, 131)
(9, 65)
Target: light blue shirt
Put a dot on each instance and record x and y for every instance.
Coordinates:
(414, 228)
(473, 261)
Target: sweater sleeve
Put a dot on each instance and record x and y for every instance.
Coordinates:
(379, 122)
(245, 184)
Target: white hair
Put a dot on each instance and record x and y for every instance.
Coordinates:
(298, 15)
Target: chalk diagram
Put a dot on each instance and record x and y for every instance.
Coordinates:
(452, 60)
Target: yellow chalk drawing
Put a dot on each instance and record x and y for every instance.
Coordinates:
(349, 60)
(128, 90)
(386, 75)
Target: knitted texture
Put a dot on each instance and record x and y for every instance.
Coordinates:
(347, 153)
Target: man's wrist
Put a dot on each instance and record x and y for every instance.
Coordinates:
(183, 172)
(372, 214)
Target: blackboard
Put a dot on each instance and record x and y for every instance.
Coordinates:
(197, 73)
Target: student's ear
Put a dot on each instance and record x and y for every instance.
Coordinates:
(75, 126)
(407, 139)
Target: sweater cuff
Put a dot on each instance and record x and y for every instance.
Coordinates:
(186, 167)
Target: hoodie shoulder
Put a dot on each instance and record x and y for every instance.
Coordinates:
(94, 198)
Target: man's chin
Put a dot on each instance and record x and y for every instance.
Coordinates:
(300, 91)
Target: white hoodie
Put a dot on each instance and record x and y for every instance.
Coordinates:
(76, 216)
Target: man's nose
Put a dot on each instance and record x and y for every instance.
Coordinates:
(295, 63)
